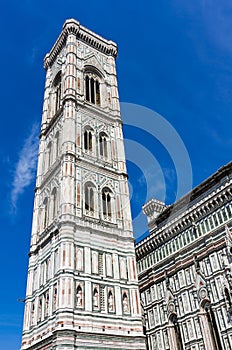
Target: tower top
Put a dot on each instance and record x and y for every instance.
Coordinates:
(72, 26)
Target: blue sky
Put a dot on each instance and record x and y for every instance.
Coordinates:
(175, 58)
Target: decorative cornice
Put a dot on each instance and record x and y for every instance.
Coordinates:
(194, 211)
(71, 26)
(205, 186)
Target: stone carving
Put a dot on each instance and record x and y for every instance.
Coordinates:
(96, 298)
(79, 297)
(110, 301)
(125, 303)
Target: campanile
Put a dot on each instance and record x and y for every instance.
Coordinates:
(82, 290)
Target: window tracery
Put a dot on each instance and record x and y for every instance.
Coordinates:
(92, 89)
(89, 198)
(55, 98)
(107, 204)
(88, 139)
(103, 145)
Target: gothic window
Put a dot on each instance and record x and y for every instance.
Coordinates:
(92, 89)
(54, 203)
(89, 198)
(56, 93)
(46, 304)
(49, 155)
(57, 145)
(88, 139)
(97, 93)
(87, 83)
(56, 260)
(107, 203)
(35, 280)
(55, 298)
(48, 270)
(40, 309)
(45, 214)
(103, 145)
(79, 297)
(32, 314)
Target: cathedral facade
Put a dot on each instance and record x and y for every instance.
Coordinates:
(185, 268)
(82, 288)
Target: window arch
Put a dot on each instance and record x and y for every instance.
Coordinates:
(49, 155)
(55, 298)
(40, 305)
(57, 145)
(32, 313)
(107, 203)
(45, 213)
(88, 139)
(46, 308)
(92, 89)
(89, 198)
(54, 203)
(103, 145)
(56, 93)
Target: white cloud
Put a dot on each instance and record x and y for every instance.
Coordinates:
(25, 168)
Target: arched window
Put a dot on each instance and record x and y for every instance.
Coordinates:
(89, 198)
(45, 213)
(54, 203)
(49, 155)
(97, 93)
(92, 89)
(88, 139)
(103, 145)
(55, 298)
(56, 93)
(87, 95)
(46, 297)
(32, 314)
(40, 309)
(107, 203)
(57, 145)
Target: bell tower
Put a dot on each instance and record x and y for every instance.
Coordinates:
(82, 290)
